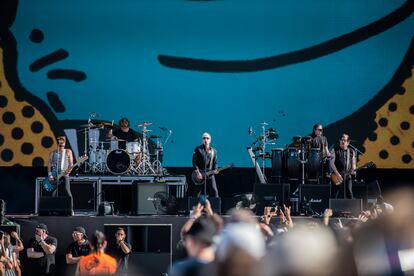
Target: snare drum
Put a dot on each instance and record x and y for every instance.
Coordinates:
(133, 147)
(118, 162)
(97, 156)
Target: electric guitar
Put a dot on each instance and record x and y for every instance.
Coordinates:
(206, 173)
(335, 180)
(50, 186)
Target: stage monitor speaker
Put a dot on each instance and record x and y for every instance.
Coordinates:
(214, 201)
(271, 195)
(143, 197)
(345, 207)
(360, 191)
(316, 197)
(55, 206)
(84, 195)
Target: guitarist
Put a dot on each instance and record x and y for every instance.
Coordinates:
(343, 165)
(60, 160)
(205, 158)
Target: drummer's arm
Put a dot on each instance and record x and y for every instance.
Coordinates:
(327, 151)
(109, 133)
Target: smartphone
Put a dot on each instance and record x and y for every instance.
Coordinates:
(202, 200)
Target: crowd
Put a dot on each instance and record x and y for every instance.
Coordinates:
(379, 242)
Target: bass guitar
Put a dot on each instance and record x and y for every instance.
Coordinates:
(335, 180)
(207, 173)
(50, 186)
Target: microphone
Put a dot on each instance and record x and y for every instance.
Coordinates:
(162, 128)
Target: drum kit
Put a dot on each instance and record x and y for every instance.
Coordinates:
(106, 157)
(297, 161)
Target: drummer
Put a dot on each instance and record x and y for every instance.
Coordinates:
(319, 140)
(124, 133)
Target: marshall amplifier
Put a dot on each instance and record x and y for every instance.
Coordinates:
(271, 195)
(315, 197)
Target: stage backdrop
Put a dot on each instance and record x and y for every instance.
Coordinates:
(216, 66)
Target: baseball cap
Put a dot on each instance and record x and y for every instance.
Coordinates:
(206, 134)
(80, 229)
(42, 226)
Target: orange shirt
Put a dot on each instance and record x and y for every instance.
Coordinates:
(97, 264)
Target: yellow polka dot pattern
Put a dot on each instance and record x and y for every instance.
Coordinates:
(393, 144)
(19, 144)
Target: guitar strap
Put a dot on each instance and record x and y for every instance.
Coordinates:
(211, 159)
(62, 162)
(347, 162)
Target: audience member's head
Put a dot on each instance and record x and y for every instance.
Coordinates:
(241, 246)
(200, 236)
(98, 242)
(241, 215)
(303, 250)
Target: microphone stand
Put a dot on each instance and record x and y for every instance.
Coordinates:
(358, 153)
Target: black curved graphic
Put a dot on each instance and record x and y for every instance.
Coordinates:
(55, 102)
(306, 54)
(361, 124)
(74, 75)
(51, 58)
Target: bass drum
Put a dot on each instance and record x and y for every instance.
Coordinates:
(293, 165)
(277, 163)
(314, 164)
(118, 162)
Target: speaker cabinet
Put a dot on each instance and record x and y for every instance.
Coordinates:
(84, 195)
(271, 195)
(143, 197)
(345, 207)
(316, 197)
(55, 206)
(214, 201)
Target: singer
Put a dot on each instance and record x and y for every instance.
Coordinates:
(205, 159)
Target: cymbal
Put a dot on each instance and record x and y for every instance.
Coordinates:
(98, 124)
(144, 124)
(155, 136)
(118, 140)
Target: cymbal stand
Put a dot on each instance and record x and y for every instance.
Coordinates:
(145, 166)
(264, 124)
(302, 159)
(157, 163)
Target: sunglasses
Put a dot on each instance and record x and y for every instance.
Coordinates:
(206, 138)
(320, 129)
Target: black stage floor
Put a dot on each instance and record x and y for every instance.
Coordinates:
(154, 238)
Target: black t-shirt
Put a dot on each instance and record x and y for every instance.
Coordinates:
(115, 251)
(319, 142)
(46, 263)
(78, 250)
(343, 163)
(202, 158)
(128, 136)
